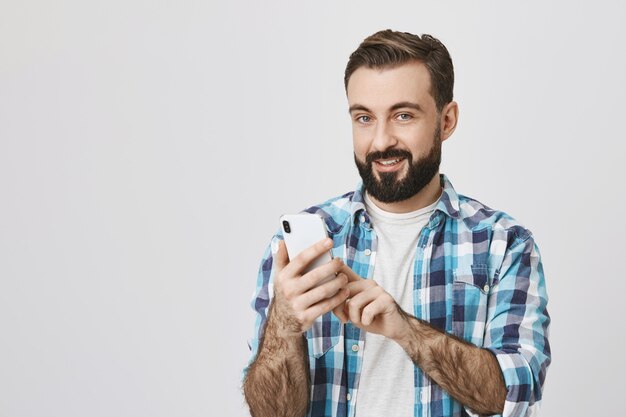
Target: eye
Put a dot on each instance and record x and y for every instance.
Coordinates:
(405, 116)
(363, 119)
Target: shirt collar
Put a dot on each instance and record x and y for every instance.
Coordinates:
(448, 202)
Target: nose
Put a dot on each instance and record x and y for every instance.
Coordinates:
(383, 137)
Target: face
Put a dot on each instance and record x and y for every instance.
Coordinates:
(396, 130)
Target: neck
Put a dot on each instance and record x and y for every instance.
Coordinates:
(425, 197)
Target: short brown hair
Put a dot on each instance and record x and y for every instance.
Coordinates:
(388, 48)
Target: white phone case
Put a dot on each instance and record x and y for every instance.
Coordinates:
(305, 230)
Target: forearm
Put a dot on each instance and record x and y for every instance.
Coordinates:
(468, 373)
(277, 383)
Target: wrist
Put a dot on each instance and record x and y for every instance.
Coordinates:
(407, 329)
(279, 344)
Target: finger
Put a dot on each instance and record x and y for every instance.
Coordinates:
(352, 276)
(328, 304)
(319, 274)
(376, 307)
(340, 313)
(358, 302)
(280, 258)
(321, 292)
(305, 257)
(357, 287)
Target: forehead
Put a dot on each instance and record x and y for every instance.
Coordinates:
(382, 87)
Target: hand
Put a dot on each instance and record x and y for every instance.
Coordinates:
(298, 300)
(371, 308)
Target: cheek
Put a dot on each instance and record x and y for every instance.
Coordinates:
(417, 140)
(411, 133)
(360, 147)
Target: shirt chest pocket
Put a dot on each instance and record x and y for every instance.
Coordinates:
(470, 292)
(323, 335)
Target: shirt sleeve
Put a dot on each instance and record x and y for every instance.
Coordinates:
(261, 297)
(517, 326)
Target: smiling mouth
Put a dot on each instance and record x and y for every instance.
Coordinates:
(388, 162)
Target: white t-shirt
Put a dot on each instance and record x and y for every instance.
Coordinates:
(386, 386)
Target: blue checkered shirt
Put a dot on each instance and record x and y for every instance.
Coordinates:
(477, 275)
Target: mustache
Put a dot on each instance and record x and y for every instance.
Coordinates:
(389, 153)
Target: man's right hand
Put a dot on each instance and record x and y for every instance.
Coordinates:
(298, 301)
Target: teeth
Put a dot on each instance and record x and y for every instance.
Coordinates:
(392, 162)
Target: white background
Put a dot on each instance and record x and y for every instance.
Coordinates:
(147, 150)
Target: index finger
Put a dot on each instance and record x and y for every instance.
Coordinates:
(352, 276)
(297, 264)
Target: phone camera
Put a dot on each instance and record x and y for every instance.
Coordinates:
(286, 226)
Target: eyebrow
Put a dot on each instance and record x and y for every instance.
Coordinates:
(400, 105)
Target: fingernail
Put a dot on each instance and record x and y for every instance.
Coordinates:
(328, 243)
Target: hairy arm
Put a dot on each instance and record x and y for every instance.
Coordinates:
(277, 383)
(468, 373)
(506, 377)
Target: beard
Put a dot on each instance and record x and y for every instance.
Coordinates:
(386, 186)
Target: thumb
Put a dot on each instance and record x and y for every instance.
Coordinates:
(281, 258)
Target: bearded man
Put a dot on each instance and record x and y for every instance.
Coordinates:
(438, 307)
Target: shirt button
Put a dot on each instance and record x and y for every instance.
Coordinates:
(486, 288)
(355, 348)
(368, 252)
(348, 396)
(362, 218)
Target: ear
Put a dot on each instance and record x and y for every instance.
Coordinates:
(449, 119)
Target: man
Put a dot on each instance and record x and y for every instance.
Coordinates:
(439, 305)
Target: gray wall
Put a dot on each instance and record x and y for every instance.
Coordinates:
(147, 150)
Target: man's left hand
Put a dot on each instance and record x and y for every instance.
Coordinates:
(371, 308)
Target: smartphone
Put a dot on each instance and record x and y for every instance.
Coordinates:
(301, 231)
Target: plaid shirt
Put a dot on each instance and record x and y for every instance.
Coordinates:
(477, 275)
